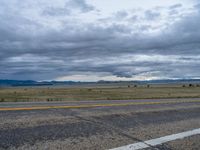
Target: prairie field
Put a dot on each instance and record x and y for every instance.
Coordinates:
(97, 92)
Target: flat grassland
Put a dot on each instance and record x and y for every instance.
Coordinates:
(105, 92)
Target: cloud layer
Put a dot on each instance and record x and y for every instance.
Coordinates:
(75, 40)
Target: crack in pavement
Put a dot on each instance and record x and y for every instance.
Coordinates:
(110, 127)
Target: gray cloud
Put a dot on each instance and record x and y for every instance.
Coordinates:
(33, 47)
(174, 9)
(52, 11)
(121, 14)
(68, 8)
(175, 6)
(151, 15)
(80, 4)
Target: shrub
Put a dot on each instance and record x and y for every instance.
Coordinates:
(2, 100)
(190, 85)
(48, 99)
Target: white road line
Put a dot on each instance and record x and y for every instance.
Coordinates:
(158, 141)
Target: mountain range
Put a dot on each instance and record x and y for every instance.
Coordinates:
(51, 83)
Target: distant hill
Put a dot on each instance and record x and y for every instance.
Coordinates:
(49, 83)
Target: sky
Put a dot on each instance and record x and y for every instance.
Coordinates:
(91, 40)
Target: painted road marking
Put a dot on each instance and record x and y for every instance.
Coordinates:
(158, 141)
(95, 105)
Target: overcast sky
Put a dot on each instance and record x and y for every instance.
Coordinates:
(91, 40)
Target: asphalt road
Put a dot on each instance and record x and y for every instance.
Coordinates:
(98, 124)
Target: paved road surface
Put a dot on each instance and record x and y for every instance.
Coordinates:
(98, 124)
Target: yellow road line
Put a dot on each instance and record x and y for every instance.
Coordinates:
(96, 105)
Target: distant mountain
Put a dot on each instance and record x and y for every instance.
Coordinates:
(12, 82)
(168, 81)
(49, 83)
(21, 83)
(37, 83)
(165, 81)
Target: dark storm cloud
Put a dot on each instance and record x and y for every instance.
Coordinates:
(31, 49)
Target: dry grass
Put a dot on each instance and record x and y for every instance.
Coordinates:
(96, 93)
